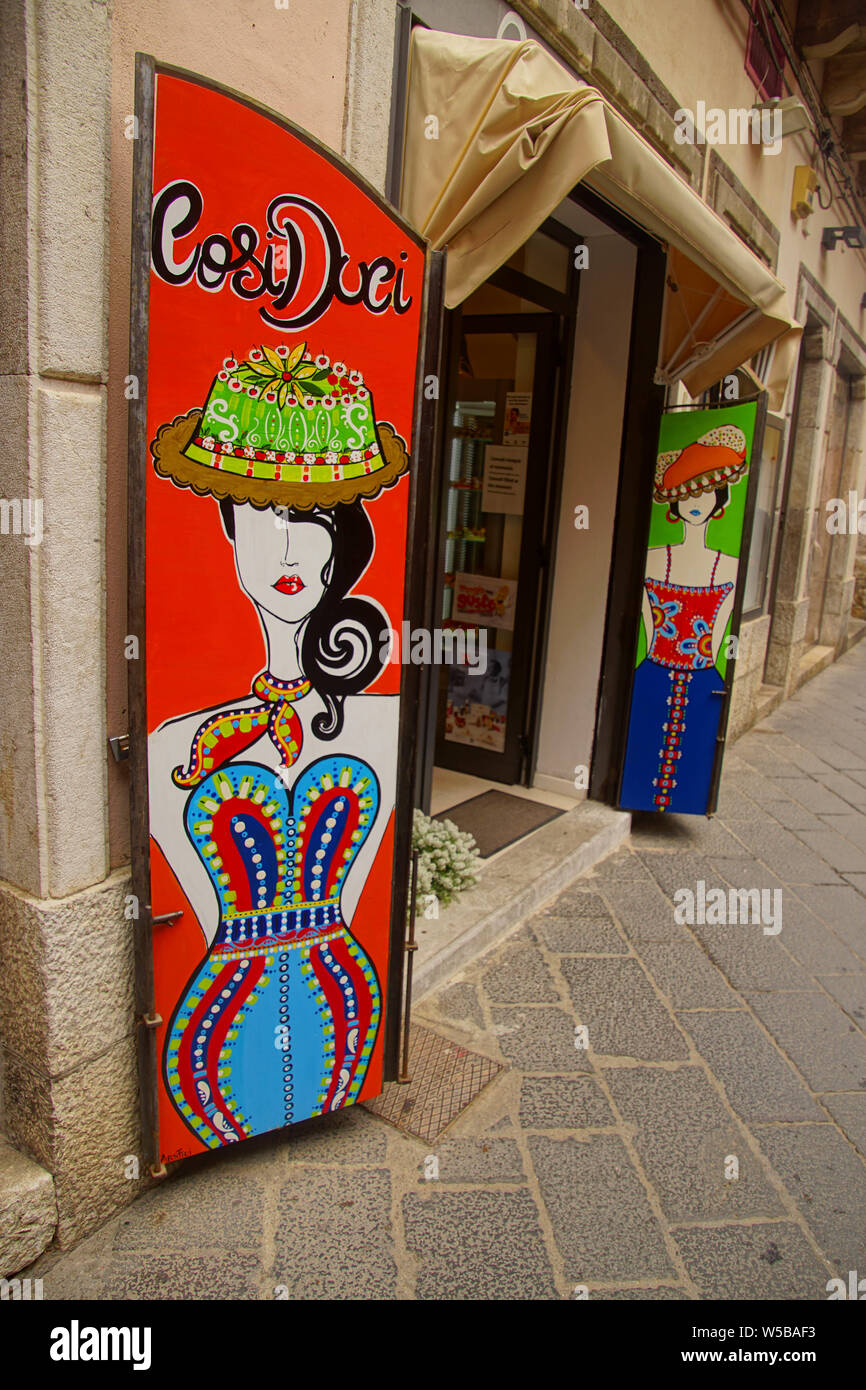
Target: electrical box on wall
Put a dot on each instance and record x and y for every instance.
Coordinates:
(805, 183)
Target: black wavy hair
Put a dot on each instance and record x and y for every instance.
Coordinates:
(340, 625)
(723, 495)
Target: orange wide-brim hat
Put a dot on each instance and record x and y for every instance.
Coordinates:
(716, 459)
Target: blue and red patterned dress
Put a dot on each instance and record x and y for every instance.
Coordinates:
(279, 1021)
(675, 704)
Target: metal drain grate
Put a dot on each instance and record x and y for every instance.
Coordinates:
(445, 1079)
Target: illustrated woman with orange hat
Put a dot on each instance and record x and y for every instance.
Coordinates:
(687, 601)
(263, 807)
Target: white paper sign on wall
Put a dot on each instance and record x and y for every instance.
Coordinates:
(504, 478)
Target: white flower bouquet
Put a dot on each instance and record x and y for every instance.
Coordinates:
(448, 858)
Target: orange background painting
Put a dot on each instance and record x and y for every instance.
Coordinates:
(204, 644)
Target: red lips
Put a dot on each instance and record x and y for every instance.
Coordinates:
(289, 584)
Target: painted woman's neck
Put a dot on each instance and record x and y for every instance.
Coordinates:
(283, 640)
(696, 537)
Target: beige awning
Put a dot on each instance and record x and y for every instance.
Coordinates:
(498, 133)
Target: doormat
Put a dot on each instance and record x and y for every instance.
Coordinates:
(446, 1078)
(498, 819)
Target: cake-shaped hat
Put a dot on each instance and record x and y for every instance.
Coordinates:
(282, 428)
(717, 458)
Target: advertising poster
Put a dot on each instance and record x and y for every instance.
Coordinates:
(285, 307)
(518, 417)
(485, 601)
(692, 575)
(477, 708)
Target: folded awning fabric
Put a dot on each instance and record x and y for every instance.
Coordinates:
(498, 133)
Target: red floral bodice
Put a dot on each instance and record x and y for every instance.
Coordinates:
(683, 620)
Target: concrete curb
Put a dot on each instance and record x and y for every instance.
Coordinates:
(515, 883)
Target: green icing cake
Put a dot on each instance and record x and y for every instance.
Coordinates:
(286, 416)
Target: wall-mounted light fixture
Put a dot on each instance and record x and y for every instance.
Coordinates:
(854, 237)
(790, 115)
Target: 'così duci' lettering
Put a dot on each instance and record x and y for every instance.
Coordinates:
(273, 269)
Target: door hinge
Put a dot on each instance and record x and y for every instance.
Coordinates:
(119, 747)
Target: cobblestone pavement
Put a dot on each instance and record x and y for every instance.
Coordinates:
(709, 1046)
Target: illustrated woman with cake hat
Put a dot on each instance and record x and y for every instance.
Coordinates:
(267, 815)
(687, 602)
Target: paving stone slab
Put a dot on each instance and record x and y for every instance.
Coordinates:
(734, 806)
(656, 1295)
(333, 1237)
(622, 1013)
(352, 1136)
(848, 788)
(761, 789)
(816, 797)
(762, 1262)
(686, 975)
(759, 1083)
(201, 1278)
(818, 1036)
(643, 912)
(767, 756)
(579, 935)
(478, 1160)
(852, 826)
(477, 1245)
(539, 1040)
(674, 869)
(558, 1102)
(697, 834)
(603, 1224)
(617, 868)
(792, 815)
(849, 1112)
(814, 945)
(850, 992)
(219, 1210)
(827, 1180)
(785, 855)
(577, 901)
(750, 873)
(519, 974)
(841, 909)
(843, 757)
(459, 1002)
(838, 852)
(749, 959)
(803, 758)
(684, 1136)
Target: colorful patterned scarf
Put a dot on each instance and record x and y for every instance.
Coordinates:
(223, 736)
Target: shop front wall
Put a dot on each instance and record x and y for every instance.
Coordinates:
(584, 538)
(294, 60)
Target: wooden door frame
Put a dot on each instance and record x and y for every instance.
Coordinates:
(642, 412)
(544, 326)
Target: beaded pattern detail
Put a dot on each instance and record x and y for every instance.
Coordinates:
(673, 729)
(279, 1021)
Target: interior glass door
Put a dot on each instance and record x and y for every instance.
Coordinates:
(496, 476)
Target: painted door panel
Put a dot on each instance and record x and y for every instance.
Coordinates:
(271, 474)
(691, 599)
